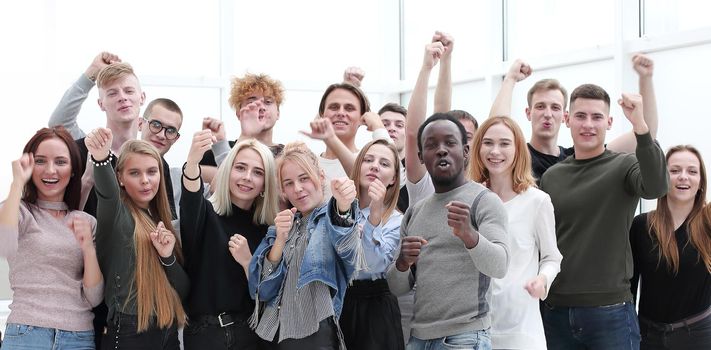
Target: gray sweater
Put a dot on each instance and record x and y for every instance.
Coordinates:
(453, 282)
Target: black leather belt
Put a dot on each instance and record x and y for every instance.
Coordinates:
(222, 320)
(669, 327)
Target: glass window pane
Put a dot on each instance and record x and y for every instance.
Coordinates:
(669, 16)
(163, 37)
(318, 43)
(547, 27)
(682, 91)
(470, 97)
(469, 22)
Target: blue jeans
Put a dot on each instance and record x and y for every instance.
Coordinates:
(477, 340)
(24, 337)
(609, 327)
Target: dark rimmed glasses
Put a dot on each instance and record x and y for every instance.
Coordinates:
(155, 126)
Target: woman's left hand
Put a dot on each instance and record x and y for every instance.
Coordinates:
(163, 240)
(239, 248)
(536, 286)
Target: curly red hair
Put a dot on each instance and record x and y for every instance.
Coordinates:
(252, 84)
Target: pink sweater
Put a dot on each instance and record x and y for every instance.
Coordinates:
(46, 270)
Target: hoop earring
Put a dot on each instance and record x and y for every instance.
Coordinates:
(261, 194)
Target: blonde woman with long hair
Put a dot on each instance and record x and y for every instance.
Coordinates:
(219, 236)
(500, 161)
(138, 251)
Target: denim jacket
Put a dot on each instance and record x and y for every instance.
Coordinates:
(333, 255)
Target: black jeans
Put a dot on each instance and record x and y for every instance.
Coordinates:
(693, 336)
(122, 334)
(326, 338)
(206, 333)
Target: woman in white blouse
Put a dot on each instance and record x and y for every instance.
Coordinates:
(500, 161)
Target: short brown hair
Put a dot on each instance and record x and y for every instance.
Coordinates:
(364, 103)
(252, 84)
(165, 103)
(393, 107)
(464, 115)
(113, 72)
(547, 84)
(591, 92)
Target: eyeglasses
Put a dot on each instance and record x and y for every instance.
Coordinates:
(156, 127)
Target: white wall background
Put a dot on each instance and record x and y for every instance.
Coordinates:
(189, 50)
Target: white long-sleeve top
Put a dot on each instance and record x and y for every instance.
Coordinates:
(516, 319)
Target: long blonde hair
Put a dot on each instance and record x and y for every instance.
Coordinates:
(521, 172)
(266, 205)
(393, 191)
(153, 292)
(661, 223)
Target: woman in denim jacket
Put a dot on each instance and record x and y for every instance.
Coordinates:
(301, 269)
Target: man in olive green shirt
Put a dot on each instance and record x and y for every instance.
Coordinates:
(595, 194)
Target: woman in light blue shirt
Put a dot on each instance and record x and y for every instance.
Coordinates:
(371, 316)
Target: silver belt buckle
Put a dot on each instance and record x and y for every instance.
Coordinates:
(222, 324)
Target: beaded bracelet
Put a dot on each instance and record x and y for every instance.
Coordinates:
(106, 161)
(168, 265)
(192, 178)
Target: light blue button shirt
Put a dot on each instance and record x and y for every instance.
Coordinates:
(379, 244)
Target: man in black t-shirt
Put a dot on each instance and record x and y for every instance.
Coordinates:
(547, 102)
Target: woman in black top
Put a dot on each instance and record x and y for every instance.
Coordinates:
(219, 236)
(138, 251)
(672, 257)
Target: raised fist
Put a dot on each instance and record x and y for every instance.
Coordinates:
(353, 75)
(98, 142)
(344, 192)
(217, 127)
(518, 71)
(643, 65)
(163, 240)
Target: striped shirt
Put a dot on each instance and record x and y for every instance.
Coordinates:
(298, 312)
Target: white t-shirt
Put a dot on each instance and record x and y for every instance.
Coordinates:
(332, 169)
(515, 317)
(420, 190)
